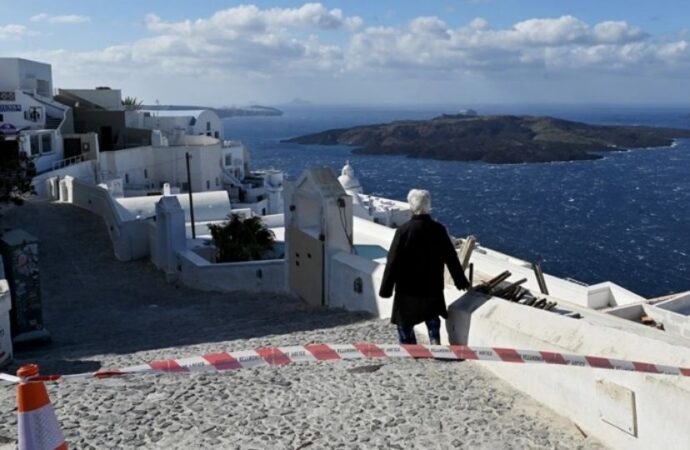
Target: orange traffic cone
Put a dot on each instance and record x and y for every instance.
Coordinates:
(37, 424)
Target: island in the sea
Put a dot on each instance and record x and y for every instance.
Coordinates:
(503, 139)
(223, 112)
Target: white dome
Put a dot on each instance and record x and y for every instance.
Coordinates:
(348, 179)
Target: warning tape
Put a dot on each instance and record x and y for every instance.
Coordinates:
(278, 356)
(9, 378)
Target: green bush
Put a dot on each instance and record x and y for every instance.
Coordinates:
(241, 239)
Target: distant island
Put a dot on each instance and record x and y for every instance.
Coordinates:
(229, 111)
(504, 139)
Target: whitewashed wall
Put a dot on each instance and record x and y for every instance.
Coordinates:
(257, 276)
(591, 398)
(85, 170)
(128, 235)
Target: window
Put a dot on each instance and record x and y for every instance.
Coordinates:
(228, 159)
(34, 144)
(127, 178)
(217, 182)
(216, 135)
(208, 134)
(46, 143)
(2, 119)
(208, 184)
(146, 173)
(208, 126)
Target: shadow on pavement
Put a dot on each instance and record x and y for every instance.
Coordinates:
(95, 305)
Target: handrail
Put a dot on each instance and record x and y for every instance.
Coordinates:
(67, 162)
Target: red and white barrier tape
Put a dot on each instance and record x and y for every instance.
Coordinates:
(278, 356)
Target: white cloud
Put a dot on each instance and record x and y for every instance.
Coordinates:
(617, 32)
(311, 44)
(12, 32)
(560, 31)
(249, 18)
(60, 19)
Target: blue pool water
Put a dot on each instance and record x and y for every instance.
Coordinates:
(625, 218)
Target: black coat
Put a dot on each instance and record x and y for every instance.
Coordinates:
(420, 249)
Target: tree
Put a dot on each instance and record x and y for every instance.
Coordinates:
(16, 172)
(241, 239)
(132, 103)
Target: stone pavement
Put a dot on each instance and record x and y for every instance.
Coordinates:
(105, 313)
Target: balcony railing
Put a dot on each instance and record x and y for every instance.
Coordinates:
(67, 162)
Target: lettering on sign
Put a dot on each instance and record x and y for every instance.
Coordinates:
(10, 108)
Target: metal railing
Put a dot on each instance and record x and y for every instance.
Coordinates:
(67, 162)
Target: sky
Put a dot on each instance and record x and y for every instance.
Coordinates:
(218, 53)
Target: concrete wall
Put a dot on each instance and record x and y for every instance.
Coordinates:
(674, 314)
(274, 220)
(85, 171)
(624, 410)
(110, 99)
(346, 269)
(149, 167)
(198, 273)
(130, 237)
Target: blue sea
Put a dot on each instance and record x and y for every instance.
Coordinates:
(624, 218)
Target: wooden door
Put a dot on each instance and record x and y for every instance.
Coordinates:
(306, 273)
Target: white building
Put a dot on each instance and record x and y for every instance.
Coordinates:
(172, 123)
(28, 113)
(214, 166)
(17, 74)
(390, 213)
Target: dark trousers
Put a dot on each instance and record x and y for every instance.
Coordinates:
(406, 334)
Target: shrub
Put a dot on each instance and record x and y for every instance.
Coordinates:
(241, 239)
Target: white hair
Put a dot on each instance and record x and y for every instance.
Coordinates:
(420, 201)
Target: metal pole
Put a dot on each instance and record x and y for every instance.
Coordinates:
(191, 201)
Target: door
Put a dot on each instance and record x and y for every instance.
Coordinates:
(106, 136)
(306, 273)
(72, 147)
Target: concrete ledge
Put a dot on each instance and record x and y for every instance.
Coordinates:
(258, 276)
(622, 409)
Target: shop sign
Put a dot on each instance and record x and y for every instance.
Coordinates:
(10, 108)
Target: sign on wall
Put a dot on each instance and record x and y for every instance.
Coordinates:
(10, 108)
(7, 96)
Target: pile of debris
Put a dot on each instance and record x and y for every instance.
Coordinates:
(514, 292)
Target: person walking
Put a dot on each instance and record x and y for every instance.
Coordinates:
(415, 270)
